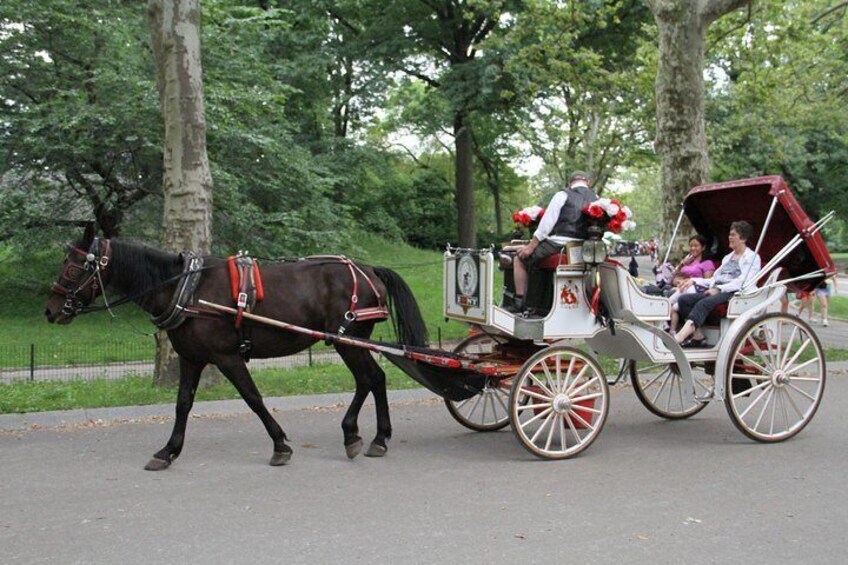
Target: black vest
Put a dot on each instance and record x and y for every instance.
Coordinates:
(572, 222)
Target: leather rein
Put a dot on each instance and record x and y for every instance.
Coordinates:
(96, 261)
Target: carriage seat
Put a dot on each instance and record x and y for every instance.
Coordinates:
(619, 291)
(552, 262)
(741, 303)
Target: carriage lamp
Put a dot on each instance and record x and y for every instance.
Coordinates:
(594, 251)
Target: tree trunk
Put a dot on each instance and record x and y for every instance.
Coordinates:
(465, 181)
(187, 183)
(496, 197)
(681, 139)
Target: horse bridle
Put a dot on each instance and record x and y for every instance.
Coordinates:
(96, 260)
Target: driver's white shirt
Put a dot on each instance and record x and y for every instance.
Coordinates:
(549, 220)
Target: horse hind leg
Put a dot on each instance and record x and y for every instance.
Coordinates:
(236, 372)
(350, 425)
(189, 378)
(379, 447)
(369, 377)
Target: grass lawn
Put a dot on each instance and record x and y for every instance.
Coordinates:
(21, 397)
(837, 307)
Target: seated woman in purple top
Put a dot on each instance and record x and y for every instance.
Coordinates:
(738, 268)
(695, 265)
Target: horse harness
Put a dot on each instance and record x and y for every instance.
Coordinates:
(246, 288)
(95, 262)
(176, 313)
(354, 313)
(245, 283)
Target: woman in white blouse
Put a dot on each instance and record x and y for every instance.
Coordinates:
(736, 270)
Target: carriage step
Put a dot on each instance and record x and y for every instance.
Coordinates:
(529, 328)
(707, 397)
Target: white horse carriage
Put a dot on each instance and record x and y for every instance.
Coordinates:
(543, 376)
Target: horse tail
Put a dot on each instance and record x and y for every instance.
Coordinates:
(406, 316)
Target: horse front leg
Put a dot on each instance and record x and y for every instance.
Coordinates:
(235, 369)
(369, 377)
(189, 379)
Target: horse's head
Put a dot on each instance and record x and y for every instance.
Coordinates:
(81, 280)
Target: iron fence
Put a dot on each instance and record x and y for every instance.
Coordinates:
(120, 359)
(64, 362)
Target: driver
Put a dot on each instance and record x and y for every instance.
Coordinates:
(563, 222)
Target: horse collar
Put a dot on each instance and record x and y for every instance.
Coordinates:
(176, 314)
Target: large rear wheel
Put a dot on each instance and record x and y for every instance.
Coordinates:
(486, 411)
(659, 387)
(775, 377)
(559, 402)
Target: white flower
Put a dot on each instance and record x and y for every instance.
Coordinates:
(533, 212)
(629, 225)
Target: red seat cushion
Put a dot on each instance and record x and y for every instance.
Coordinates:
(715, 316)
(552, 262)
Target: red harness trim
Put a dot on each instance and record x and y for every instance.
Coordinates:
(257, 282)
(234, 277)
(244, 283)
(379, 312)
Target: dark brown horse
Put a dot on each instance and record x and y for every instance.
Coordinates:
(315, 294)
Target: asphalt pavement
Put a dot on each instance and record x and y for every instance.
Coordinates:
(648, 491)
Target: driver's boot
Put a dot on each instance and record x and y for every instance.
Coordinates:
(517, 306)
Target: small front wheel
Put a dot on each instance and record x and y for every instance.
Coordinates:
(486, 411)
(775, 377)
(559, 402)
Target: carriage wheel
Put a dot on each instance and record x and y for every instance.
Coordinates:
(559, 402)
(486, 411)
(775, 377)
(659, 387)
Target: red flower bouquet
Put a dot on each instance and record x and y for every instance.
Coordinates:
(528, 216)
(610, 214)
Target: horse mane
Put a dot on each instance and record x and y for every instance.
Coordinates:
(136, 268)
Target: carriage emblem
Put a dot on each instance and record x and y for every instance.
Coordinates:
(467, 282)
(568, 296)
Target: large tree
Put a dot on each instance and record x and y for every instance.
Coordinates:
(582, 79)
(439, 42)
(780, 106)
(77, 115)
(187, 182)
(681, 140)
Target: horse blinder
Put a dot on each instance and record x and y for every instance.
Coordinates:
(68, 284)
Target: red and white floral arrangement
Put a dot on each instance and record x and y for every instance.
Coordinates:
(609, 211)
(528, 216)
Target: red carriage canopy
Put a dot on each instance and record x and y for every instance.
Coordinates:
(713, 207)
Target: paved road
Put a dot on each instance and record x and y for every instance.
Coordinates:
(648, 491)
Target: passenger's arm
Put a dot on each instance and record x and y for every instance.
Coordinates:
(749, 267)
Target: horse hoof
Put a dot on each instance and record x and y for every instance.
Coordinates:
(376, 450)
(157, 464)
(280, 458)
(353, 449)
